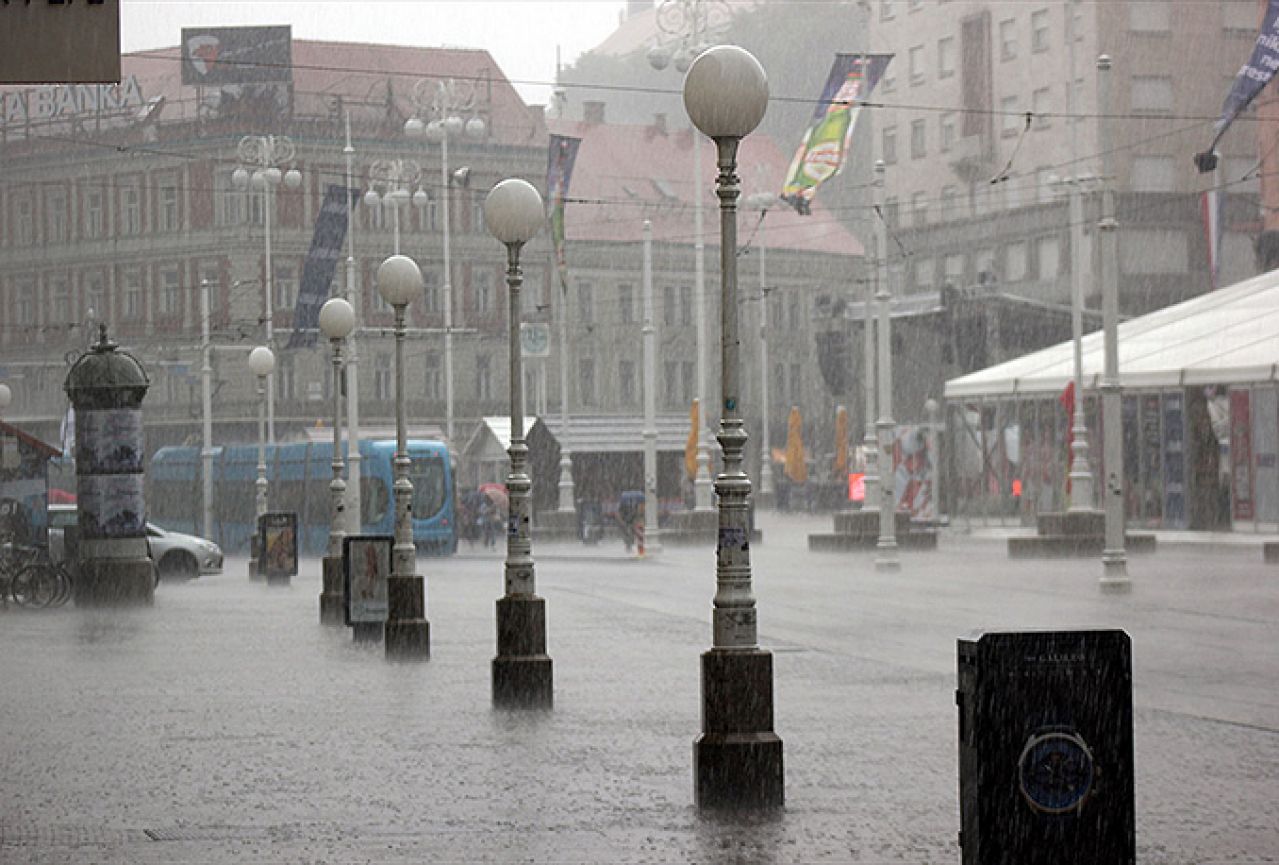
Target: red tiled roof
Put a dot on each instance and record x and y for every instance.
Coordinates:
(626, 174)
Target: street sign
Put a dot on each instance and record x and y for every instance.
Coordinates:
(60, 42)
(535, 339)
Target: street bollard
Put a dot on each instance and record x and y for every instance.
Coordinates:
(639, 539)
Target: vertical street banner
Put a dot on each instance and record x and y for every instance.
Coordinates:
(321, 262)
(824, 148)
(1252, 78)
(559, 171)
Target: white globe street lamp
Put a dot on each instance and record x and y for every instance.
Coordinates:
(408, 633)
(726, 95)
(522, 671)
(266, 153)
(337, 320)
(446, 101)
(261, 364)
(392, 177)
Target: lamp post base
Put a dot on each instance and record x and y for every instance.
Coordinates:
(408, 633)
(255, 573)
(737, 761)
(332, 595)
(1114, 573)
(367, 632)
(523, 674)
(115, 583)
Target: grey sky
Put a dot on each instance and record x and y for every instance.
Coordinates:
(521, 34)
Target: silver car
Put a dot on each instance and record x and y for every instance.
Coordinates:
(176, 555)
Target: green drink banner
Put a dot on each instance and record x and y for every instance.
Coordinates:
(825, 145)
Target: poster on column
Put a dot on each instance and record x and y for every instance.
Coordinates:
(367, 561)
(109, 441)
(111, 506)
(913, 472)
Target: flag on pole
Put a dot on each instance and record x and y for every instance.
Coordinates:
(321, 262)
(824, 148)
(1252, 78)
(559, 171)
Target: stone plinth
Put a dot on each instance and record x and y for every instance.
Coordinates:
(1074, 534)
(332, 592)
(737, 761)
(115, 582)
(522, 671)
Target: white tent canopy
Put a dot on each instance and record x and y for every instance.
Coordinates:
(1228, 336)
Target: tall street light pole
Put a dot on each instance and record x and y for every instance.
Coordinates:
(408, 633)
(652, 532)
(261, 364)
(737, 761)
(886, 558)
(763, 202)
(337, 320)
(446, 102)
(522, 671)
(355, 298)
(266, 153)
(689, 22)
(1114, 560)
(206, 410)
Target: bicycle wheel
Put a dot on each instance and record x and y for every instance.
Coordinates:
(35, 585)
(63, 586)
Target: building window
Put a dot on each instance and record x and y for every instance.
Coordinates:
(483, 378)
(1155, 174)
(169, 206)
(25, 310)
(889, 148)
(796, 383)
(688, 377)
(914, 5)
(170, 288)
(892, 212)
(484, 291)
(918, 139)
(670, 382)
(55, 210)
(626, 382)
(888, 82)
(1145, 17)
(1239, 17)
(286, 376)
(1049, 258)
(132, 294)
(93, 226)
(60, 299)
(946, 57)
(24, 228)
(984, 266)
(431, 375)
(95, 296)
(382, 377)
(585, 303)
(1015, 262)
(949, 202)
(431, 290)
(1040, 103)
(886, 12)
(1008, 39)
(919, 208)
(586, 380)
(1012, 118)
(285, 286)
(915, 63)
(1039, 40)
(953, 269)
(668, 305)
(946, 131)
(229, 202)
(1045, 185)
(626, 303)
(1152, 94)
(131, 210)
(925, 273)
(686, 304)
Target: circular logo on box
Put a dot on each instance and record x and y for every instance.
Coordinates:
(1056, 771)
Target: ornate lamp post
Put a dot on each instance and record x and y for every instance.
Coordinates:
(261, 364)
(337, 320)
(688, 23)
(446, 102)
(763, 201)
(267, 153)
(393, 177)
(522, 674)
(408, 633)
(737, 761)
(886, 548)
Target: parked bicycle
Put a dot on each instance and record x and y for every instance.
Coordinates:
(29, 578)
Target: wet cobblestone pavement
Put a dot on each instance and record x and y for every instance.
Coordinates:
(226, 725)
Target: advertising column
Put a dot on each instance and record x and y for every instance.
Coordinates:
(106, 387)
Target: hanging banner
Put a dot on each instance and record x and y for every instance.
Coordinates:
(1251, 79)
(321, 262)
(824, 148)
(559, 171)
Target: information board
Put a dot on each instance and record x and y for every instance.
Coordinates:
(278, 543)
(366, 562)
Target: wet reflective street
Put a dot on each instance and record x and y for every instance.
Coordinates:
(227, 725)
